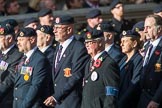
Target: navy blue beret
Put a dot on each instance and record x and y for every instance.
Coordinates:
(10, 22)
(46, 29)
(29, 21)
(27, 32)
(94, 34)
(93, 13)
(64, 19)
(130, 33)
(157, 9)
(6, 30)
(139, 26)
(44, 12)
(105, 27)
(114, 3)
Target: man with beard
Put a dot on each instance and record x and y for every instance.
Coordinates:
(31, 80)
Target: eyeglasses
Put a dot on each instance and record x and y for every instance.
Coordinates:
(90, 42)
(60, 28)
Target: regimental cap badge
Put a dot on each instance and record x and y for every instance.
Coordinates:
(84, 29)
(42, 29)
(89, 36)
(158, 67)
(99, 27)
(21, 34)
(2, 31)
(57, 20)
(137, 29)
(124, 33)
(8, 24)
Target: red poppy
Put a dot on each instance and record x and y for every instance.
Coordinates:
(97, 63)
(157, 52)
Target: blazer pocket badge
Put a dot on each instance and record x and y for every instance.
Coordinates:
(158, 67)
(67, 72)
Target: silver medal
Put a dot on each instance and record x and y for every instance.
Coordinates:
(94, 76)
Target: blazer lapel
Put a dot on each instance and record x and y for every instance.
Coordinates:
(155, 54)
(32, 57)
(55, 54)
(5, 57)
(64, 56)
(103, 55)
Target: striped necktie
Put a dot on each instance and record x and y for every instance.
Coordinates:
(58, 57)
(148, 54)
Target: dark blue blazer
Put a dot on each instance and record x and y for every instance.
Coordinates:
(129, 86)
(94, 92)
(151, 80)
(12, 57)
(49, 53)
(115, 53)
(30, 93)
(68, 84)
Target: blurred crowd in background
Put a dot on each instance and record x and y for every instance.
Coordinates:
(14, 7)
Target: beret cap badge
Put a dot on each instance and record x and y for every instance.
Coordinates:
(1, 30)
(89, 36)
(137, 30)
(124, 33)
(57, 20)
(42, 29)
(21, 34)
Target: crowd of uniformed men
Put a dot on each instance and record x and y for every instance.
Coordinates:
(113, 64)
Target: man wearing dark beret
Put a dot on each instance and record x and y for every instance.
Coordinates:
(68, 67)
(145, 39)
(101, 80)
(158, 10)
(45, 17)
(31, 22)
(93, 18)
(10, 57)
(13, 23)
(110, 46)
(151, 77)
(45, 37)
(31, 80)
(139, 27)
(118, 21)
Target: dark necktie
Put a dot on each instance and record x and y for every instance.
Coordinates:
(148, 54)
(22, 61)
(91, 65)
(58, 57)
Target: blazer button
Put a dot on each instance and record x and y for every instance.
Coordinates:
(16, 98)
(16, 88)
(55, 85)
(86, 81)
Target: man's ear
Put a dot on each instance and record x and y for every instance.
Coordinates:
(32, 39)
